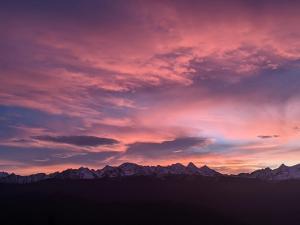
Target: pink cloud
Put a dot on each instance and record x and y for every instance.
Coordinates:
(154, 71)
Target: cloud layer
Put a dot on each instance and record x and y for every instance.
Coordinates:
(151, 81)
(178, 147)
(78, 140)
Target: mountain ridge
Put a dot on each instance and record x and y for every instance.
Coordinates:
(123, 170)
(128, 169)
(283, 172)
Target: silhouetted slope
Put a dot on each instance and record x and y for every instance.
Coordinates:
(175, 199)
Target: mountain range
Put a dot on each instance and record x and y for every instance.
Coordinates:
(132, 194)
(131, 169)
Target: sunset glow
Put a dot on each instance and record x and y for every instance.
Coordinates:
(91, 83)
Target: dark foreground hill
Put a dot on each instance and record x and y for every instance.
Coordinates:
(146, 200)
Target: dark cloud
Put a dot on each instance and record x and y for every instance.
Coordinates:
(267, 136)
(78, 140)
(179, 146)
(28, 156)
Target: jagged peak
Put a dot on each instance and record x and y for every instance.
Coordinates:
(205, 167)
(191, 165)
(282, 166)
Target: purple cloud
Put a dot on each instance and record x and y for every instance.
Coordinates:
(90, 141)
(180, 146)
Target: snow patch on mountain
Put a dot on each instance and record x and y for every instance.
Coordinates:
(124, 170)
(283, 172)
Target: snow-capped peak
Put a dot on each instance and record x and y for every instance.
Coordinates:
(124, 170)
(206, 171)
(283, 172)
(81, 173)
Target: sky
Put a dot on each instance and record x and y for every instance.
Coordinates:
(91, 83)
